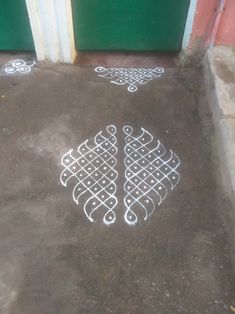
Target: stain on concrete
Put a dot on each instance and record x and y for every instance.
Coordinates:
(224, 72)
(52, 259)
(50, 141)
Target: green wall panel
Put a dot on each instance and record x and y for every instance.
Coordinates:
(15, 31)
(129, 24)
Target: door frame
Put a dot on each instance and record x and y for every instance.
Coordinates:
(53, 33)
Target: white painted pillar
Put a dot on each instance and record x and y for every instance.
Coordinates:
(189, 24)
(52, 27)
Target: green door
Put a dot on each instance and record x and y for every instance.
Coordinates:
(129, 24)
(15, 31)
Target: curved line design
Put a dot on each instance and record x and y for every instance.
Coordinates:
(93, 171)
(17, 67)
(132, 77)
(151, 171)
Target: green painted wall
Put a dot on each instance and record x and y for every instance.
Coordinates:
(15, 31)
(129, 24)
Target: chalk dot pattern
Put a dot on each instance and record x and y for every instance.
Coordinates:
(131, 77)
(94, 174)
(17, 67)
(151, 172)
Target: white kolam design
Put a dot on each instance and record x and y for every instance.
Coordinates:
(131, 77)
(92, 170)
(151, 172)
(17, 67)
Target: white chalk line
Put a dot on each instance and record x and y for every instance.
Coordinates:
(148, 170)
(103, 183)
(17, 67)
(135, 193)
(132, 77)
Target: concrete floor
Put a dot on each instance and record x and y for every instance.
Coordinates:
(52, 259)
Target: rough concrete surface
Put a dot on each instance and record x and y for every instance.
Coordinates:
(52, 259)
(219, 73)
(227, 142)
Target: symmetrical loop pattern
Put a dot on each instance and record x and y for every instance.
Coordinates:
(17, 67)
(132, 77)
(93, 171)
(150, 172)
